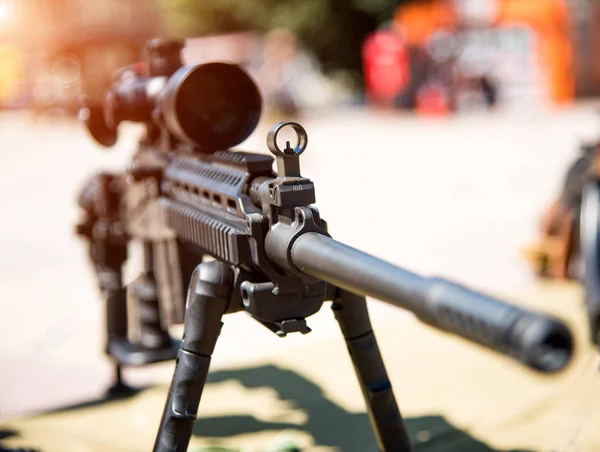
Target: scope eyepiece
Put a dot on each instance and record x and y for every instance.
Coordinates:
(92, 115)
(128, 100)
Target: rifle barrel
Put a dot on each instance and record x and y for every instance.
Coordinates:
(539, 341)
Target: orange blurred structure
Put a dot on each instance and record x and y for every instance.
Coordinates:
(550, 21)
(525, 46)
(418, 21)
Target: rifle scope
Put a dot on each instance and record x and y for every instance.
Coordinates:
(209, 106)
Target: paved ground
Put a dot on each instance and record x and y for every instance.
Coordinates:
(455, 197)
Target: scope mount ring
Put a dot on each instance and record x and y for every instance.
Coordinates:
(288, 151)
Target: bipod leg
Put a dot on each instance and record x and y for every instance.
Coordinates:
(208, 297)
(388, 426)
(144, 290)
(111, 285)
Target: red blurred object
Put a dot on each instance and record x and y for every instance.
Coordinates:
(385, 64)
(433, 99)
(139, 68)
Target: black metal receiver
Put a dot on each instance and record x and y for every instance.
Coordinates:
(272, 254)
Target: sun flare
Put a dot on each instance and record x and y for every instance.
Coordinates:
(6, 13)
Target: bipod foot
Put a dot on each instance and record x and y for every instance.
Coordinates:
(121, 390)
(129, 354)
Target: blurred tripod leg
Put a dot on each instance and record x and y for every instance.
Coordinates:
(351, 313)
(208, 297)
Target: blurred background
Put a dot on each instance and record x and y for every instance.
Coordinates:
(439, 132)
(428, 56)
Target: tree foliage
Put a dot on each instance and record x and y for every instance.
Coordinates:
(332, 29)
